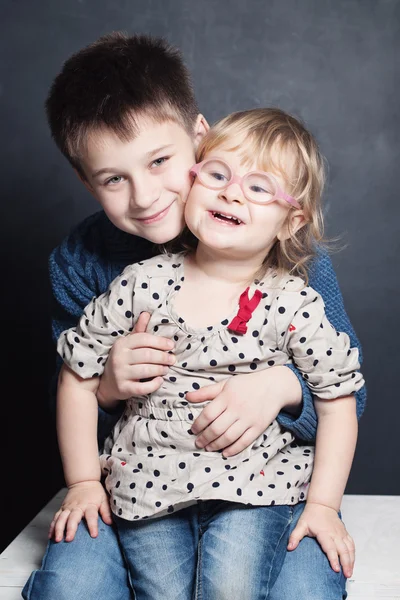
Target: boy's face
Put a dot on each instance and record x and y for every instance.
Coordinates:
(143, 184)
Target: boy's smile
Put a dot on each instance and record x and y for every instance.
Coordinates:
(142, 183)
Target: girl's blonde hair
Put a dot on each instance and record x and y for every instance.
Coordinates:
(281, 145)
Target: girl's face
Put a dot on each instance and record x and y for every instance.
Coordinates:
(226, 222)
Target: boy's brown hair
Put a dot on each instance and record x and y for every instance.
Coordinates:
(108, 83)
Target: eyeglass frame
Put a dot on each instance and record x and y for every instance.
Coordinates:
(279, 195)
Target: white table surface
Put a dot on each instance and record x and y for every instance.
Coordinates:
(373, 521)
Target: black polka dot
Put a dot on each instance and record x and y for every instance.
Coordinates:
(239, 492)
(310, 351)
(144, 286)
(232, 368)
(255, 333)
(213, 363)
(234, 340)
(306, 315)
(253, 366)
(281, 310)
(182, 465)
(190, 486)
(215, 484)
(195, 386)
(149, 484)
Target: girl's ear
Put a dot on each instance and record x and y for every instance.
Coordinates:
(295, 221)
(200, 129)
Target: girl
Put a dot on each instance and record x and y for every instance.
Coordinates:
(235, 301)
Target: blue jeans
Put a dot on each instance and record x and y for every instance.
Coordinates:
(94, 569)
(213, 550)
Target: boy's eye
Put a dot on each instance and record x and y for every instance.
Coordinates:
(113, 180)
(159, 161)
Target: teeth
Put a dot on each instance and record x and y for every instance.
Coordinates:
(238, 221)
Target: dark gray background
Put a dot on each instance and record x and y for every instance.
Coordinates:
(333, 63)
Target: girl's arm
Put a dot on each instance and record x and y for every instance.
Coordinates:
(77, 439)
(335, 447)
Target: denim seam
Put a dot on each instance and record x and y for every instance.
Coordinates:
(198, 590)
(273, 558)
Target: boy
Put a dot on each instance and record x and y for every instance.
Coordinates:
(123, 113)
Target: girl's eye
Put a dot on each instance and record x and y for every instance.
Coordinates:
(113, 180)
(218, 176)
(159, 161)
(258, 189)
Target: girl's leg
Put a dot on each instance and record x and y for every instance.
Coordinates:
(161, 554)
(306, 572)
(90, 568)
(241, 549)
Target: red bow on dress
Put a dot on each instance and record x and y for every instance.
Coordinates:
(246, 309)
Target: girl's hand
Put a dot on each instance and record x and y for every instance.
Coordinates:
(83, 500)
(132, 358)
(242, 408)
(324, 524)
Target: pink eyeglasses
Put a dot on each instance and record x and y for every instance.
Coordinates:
(257, 186)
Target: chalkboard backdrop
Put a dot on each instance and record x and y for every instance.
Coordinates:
(334, 63)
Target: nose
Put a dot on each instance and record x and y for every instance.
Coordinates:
(144, 192)
(232, 193)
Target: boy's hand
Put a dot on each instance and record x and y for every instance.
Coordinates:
(242, 408)
(324, 524)
(132, 358)
(83, 500)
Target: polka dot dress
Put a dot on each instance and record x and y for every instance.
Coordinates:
(151, 464)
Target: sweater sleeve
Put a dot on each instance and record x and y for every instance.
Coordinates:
(77, 272)
(323, 279)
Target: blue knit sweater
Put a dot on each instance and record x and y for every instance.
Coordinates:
(96, 251)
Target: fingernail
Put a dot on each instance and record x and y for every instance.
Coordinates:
(170, 344)
(171, 359)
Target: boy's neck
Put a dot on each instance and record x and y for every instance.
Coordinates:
(225, 268)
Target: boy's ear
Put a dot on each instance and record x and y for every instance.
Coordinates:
(295, 221)
(200, 129)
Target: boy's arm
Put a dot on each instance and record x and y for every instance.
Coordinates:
(334, 452)
(77, 273)
(77, 439)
